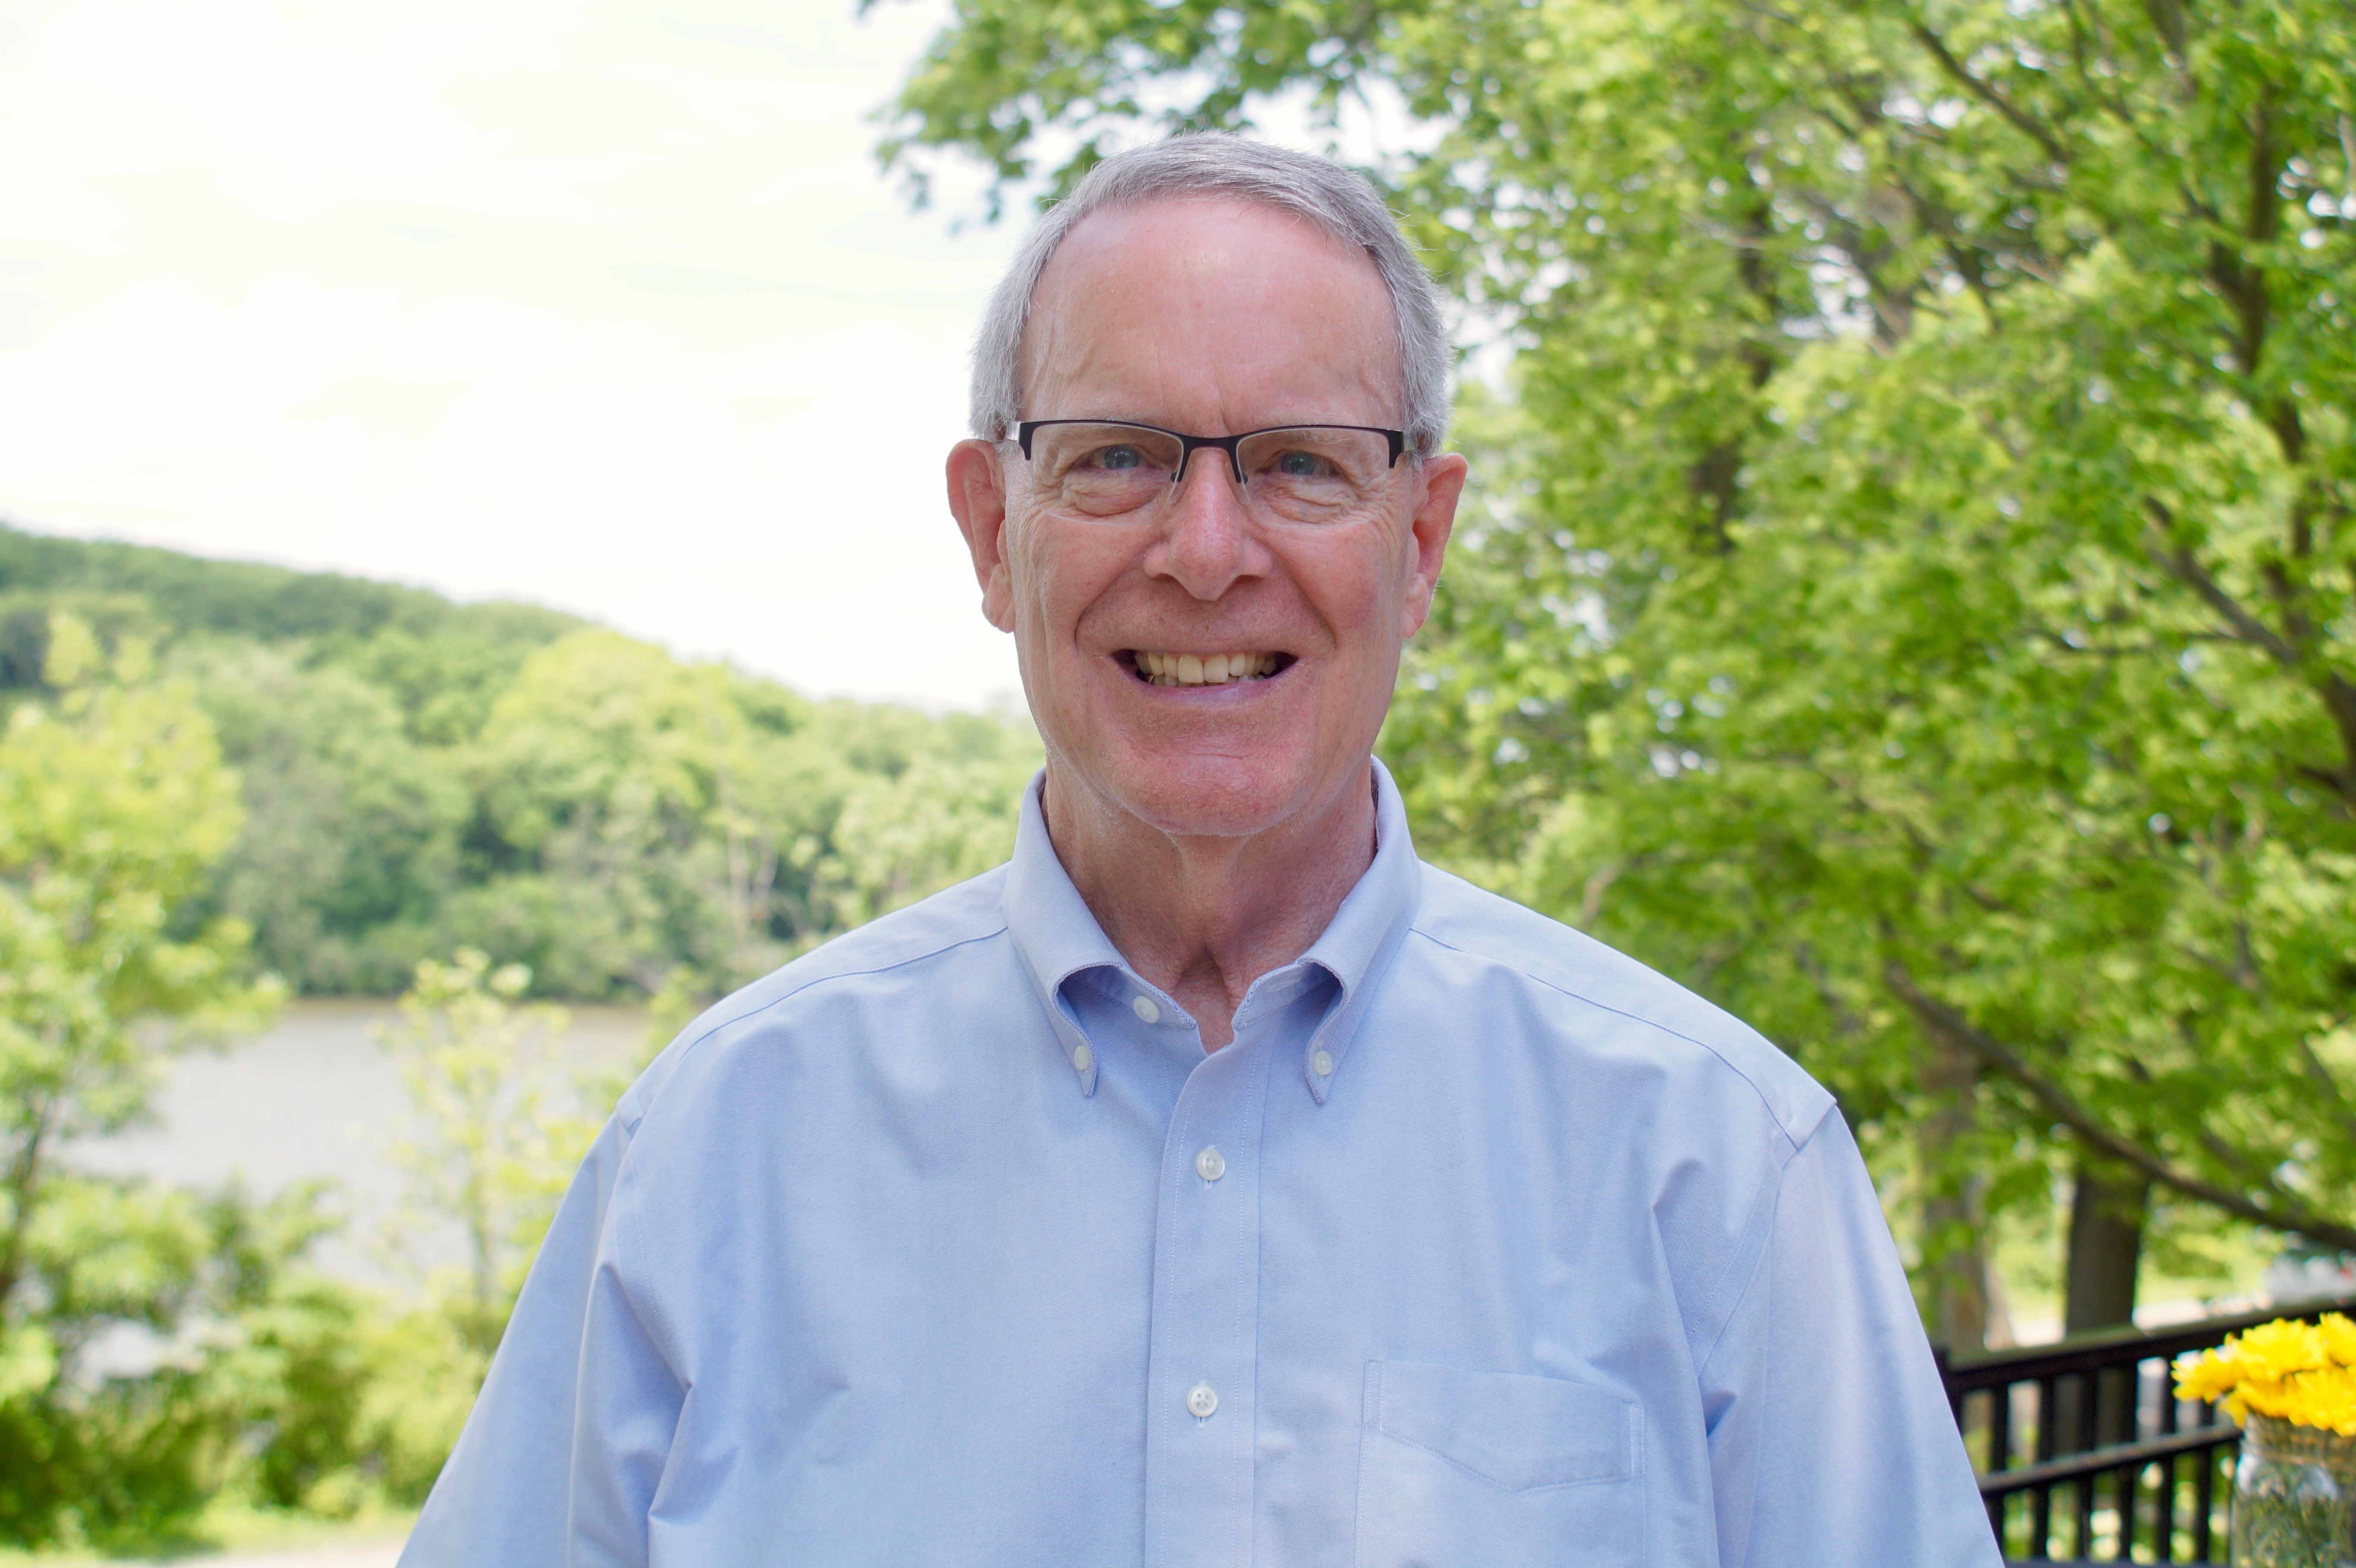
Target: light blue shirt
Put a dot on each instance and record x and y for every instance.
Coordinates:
(1481, 1247)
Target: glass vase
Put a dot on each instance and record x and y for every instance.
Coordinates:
(2294, 1497)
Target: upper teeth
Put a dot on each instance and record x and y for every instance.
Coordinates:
(1218, 669)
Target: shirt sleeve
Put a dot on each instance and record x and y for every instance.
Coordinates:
(560, 1459)
(1830, 1438)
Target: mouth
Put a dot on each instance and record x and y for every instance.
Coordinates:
(1157, 669)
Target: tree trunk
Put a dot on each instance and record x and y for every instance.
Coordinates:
(2107, 1204)
(2107, 1216)
(1955, 1261)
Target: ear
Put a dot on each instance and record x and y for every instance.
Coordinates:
(1440, 483)
(976, 479)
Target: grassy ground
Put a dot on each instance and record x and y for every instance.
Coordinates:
(242, 1532)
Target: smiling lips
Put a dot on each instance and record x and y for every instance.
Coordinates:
(1214, 670)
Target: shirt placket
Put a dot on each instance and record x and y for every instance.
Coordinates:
(1202, 1371)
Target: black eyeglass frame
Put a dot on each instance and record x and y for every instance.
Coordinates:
(1190, 444)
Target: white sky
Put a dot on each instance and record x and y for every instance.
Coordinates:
(598, 304)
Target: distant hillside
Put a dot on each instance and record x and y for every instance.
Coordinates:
(418, 774)
(173, 594)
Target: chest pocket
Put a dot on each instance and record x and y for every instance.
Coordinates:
(1460, 1470)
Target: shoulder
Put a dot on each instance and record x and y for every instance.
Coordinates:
(910, 943)
(1680, 1033)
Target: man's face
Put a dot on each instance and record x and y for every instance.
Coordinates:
(1212, 318)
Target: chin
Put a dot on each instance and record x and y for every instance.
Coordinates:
(1211, 796)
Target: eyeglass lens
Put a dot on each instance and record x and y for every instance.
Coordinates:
(1308, 474)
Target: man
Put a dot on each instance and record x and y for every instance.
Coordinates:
(1214, 1184)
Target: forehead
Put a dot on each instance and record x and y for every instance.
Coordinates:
(1201, 310)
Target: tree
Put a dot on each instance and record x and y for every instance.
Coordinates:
(640, 816)
(113, 804)
(419, 775)
(350, 839)
(634, 814)
(1913, 601)
(941, 821)
(370, 622)
(491, 1156)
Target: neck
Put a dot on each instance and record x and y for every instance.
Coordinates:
(1204, 916)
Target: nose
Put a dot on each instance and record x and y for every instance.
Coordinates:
(1207, 543)
(1227, 457)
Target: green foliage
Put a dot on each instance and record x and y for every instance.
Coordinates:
(160, 1348)
(1910, 598)
(423, 1374)
(346, 708)
(301, 1366)
(418, 776)
(266, 603)
(941, 820)
(352, 827)
(315, 1396)
(637, 815)
(113, 801)
(499, 1133)
(491, 1157)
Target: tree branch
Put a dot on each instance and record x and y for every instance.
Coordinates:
(2168, 19)
(2337, 693)
(2180, 564)
(1986, 92)
(2343, 1111)
(2290, 1215)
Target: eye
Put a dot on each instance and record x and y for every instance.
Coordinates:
(1115, 459)
(1297, 464)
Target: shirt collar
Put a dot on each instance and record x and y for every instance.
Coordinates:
(1057, 937)
(1053, 930)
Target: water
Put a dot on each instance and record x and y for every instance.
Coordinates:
(315, 1096)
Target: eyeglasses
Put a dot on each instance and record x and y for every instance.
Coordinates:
(1115, 471)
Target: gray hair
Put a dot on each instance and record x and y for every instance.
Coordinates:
(1338, 202)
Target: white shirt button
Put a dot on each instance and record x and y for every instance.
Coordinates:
(1202, 1399)
(1211, 1163)
(1322, 1062)
(1082, 1057)
(1146, 1010)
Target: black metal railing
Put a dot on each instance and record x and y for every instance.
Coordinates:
(2084, 1443)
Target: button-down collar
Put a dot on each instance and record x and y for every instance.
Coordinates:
(1059, 940)
(1054, 933)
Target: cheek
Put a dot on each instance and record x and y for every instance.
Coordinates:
(1033, 563)
(1361, 594)
(1057, 575)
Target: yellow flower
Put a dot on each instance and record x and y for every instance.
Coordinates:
(2208, 1377)
(2282, 1348)
(2265, 1396)
(2300, 1372)
(2327, 1398)
(2339, 1338)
